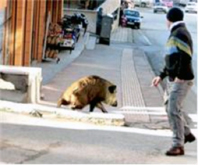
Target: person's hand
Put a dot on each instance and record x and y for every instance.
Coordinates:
(156, 81)
(177, 80)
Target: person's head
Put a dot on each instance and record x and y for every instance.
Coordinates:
(174, 14)
(100, 9)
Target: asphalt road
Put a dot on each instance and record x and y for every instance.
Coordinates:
(29, 140)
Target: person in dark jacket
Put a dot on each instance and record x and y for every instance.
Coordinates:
(99, 21)
(178, 69)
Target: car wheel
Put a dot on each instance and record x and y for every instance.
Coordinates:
(138, 26)
(154, 11)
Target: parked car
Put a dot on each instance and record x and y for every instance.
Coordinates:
(131, 18)
(191, 7)
(185, 2)
(160, 7)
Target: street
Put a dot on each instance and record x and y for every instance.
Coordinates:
(30, 140)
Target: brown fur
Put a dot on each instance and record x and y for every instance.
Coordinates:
(89, 90)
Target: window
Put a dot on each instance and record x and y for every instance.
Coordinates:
(132, 13)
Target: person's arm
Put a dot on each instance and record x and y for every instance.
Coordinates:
(181, 55)
(172, 59)
(156, 80)
(164, 73)
(184, 60)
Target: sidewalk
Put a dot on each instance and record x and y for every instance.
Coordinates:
(127, 68)
(50, 68)
(139, 104)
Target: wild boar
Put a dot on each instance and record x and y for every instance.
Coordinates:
(90, 90)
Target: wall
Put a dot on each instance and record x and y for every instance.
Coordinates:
(3, 4)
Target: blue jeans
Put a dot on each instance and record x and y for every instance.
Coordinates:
(175, 95)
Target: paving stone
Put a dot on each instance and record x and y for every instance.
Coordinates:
(131, 89)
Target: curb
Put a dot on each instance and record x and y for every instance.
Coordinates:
(91, 43)
(86, 38)
(47, 112)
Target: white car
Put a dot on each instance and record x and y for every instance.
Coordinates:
(191, 7)
(160, 7)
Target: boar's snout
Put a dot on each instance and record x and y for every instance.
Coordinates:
(115, 104)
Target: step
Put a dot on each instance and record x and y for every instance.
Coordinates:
(50, 112)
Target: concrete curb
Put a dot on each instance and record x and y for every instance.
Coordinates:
(86, 39)
(91, 43)
(68, 115)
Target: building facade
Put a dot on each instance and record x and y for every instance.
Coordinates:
(24, 29)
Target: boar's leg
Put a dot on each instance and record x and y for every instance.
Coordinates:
(101, 107)
(92, 106)
(62, 102)
(98, 105)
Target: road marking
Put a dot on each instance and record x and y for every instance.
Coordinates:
(145, 38)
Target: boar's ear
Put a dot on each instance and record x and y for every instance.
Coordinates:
(112, 88)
